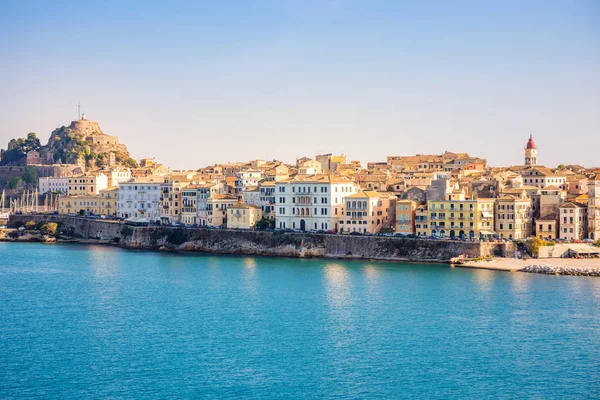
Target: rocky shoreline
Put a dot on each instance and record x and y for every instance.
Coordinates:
(561, 270)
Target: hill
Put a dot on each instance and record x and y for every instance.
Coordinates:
(84, 141)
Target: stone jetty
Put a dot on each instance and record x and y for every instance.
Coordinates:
(562, 270)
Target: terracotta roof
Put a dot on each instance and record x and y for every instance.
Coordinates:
(572, 204)
(224, 197)
(367, 193)
(550, 217)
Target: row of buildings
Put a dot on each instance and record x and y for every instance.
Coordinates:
(448, 195)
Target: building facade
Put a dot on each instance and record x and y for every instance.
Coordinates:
(86, 184)
(53, 185)
(467, 219)
(217, 207)
(312, 202)
(513, 218)
(406, 213)
(594, 207)
(139, 199)
(573, 221)
(109, 199)
(366, 212)
(243, 216)
(83, 204)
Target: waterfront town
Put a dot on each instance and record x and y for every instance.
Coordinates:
(446, 196)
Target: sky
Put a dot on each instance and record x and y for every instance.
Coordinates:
(193, 83)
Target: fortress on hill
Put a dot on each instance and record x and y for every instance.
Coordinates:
(83, 142)
(92, 132)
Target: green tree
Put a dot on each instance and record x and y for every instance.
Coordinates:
(597, 243)
(14, 182)
(30, 176)
(130, 163)
(50, 228)
(561, 166)
(264, 223)
(32, 142)
(18, 148)
(30, 225)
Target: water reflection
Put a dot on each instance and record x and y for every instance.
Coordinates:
(250, 277)
(104, 262)
(484, 279)
(338, 290)
(372, 273)
(519, 283)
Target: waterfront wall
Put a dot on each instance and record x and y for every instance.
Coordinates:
(264, 243)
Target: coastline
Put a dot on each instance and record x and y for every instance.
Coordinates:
(557, 266)
(553, 266)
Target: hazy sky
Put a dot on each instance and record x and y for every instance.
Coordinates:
(198, 82)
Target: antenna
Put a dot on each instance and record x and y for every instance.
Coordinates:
(78, 111)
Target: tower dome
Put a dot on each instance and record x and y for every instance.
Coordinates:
(530, 152)
(530, 143)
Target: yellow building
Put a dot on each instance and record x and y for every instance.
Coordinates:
(547, 227)
(457, 217)
(513, 217)
(217, 209)
(108, 201)
(79, 205)
(170, 198)
(406, 212)
(421, 220)
(243, 216)
(367, 212)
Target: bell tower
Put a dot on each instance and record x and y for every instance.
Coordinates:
(530, 152)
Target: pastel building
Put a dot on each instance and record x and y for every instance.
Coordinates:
(458, 217)
(243, 216)
(406, 212)
(217, 207)
(367, 212)
(421, 221)
(170, 198)
(82, 204)
(189, 205)
(594, 207)
(547, 227)
(513, 217)
(573, 221)
(109, 199)
(207, 191)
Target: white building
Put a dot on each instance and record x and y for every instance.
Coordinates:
(542, 177)
(312, 202)
(53, 184)
(139, 199)
(572, 221)
(118, 175)
(246, 179)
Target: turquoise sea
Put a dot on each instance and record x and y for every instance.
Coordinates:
(82, 322)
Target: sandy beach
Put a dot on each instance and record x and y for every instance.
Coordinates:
(514, 264)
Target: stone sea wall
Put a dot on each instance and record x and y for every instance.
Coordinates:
(263, 243)
(561, 270)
